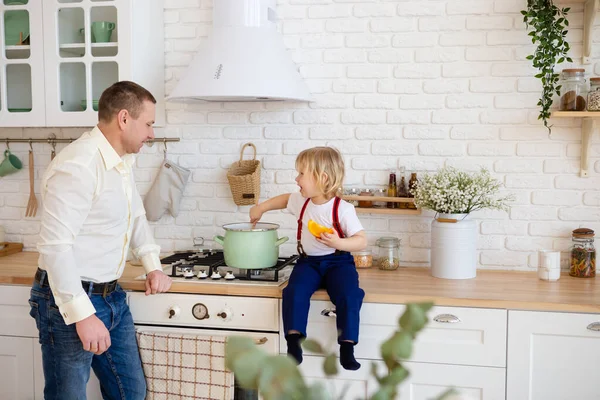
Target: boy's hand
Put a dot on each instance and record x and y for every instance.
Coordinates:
(332, 240)
(255, 214)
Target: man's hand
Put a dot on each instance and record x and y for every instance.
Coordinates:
(332, 240)
(157, 282)
(93, 334)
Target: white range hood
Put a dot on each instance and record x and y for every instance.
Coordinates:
(244, 59)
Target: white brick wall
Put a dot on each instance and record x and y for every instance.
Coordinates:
(412, 83)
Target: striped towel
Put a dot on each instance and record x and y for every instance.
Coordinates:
(185, 367)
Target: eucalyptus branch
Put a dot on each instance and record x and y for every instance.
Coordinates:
(548, 24)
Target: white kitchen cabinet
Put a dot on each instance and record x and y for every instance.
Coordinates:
(16, 368)
(57, 79)
(354, 382)
(553, 356)
(454, 335)
(427, 381)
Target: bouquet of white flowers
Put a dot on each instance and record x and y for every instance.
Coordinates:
(456, 192)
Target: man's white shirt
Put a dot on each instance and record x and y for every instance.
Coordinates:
(91, 214)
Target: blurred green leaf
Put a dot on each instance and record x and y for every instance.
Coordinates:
(313, 346)
(281, 379)
(396, 376)
(413, 319)
(330, 365)
(398, 346)
(447, 393)
(318, 392)
(384, 393)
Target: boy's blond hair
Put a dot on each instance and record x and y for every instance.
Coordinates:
(326, 166)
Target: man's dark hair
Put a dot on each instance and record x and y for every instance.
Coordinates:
(123, 95)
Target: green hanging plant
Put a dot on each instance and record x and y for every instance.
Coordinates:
(548, 24)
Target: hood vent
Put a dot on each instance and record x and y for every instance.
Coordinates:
(243, 60)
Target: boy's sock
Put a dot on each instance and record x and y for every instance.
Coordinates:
(347, 356)
(294, 346)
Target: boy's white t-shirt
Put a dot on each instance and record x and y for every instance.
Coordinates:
(322, 214)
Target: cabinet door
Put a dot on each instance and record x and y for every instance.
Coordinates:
(427, 381)
(87, 44)
(353, 382)
(21, 64)
(16, 368)
(553, 356)
(454, 335)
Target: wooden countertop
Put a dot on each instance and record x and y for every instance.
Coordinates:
(493, 289)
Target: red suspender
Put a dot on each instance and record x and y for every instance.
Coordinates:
(335, 216)
(299, 230)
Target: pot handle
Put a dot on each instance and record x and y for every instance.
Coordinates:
(281, 241)
(219, 239)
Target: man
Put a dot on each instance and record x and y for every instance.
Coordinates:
(92, 215)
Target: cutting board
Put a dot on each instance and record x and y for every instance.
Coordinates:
(10, 248)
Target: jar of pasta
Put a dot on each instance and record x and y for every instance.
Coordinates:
(583, 254)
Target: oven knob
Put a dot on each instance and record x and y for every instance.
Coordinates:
(225, 314)
(174, 312)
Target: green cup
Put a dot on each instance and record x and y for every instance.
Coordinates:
(10, 164)
(101, 31)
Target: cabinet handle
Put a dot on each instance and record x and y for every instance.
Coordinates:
(261, 341)
(446, 319)
(329, 312)
(594, 326)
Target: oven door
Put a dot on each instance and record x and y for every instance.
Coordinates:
(269, 342)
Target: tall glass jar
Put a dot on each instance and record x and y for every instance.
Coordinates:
(388, 253)
(594, 95)
(573, 91)
(583, 254)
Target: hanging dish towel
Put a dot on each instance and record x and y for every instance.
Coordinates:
(185, 367)
(166, 191)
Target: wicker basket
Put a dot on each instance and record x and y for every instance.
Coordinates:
(244, 179)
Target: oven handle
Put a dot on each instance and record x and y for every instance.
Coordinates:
(261, 341)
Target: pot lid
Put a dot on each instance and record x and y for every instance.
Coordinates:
(247, 227)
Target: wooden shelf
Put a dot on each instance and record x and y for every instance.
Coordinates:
(390, 211)
(588, 124)
(381, 210)
(79, 48)
(576, 114)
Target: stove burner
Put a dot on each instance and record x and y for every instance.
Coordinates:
(214, 259)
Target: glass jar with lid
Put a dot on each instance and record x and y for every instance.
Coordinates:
(380, 193)
(366, 203)
(363, 259)
(583, 254)
(388, 253)
(593, 103)
(573, 90)
(352, 192)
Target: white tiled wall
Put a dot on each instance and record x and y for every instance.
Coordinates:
(419, 84)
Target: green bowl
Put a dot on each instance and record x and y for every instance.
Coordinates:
(94, 104)
(15, 110)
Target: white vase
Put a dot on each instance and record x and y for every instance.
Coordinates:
(454, 247)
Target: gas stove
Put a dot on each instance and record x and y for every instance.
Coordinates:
(208, 266)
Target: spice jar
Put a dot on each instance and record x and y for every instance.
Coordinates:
(594, 95)
(583, 254)
(573, 90)
(363, 259)
(380, 193)
(366, 203)
(388, 253)
(353, 192)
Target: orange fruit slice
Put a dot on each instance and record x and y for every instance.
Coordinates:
(316, 229)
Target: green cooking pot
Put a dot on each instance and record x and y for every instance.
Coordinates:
(248, 247)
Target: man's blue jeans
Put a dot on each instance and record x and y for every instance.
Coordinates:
(67, 365)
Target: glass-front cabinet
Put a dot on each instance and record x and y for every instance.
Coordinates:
(21, 63)
(87, 46)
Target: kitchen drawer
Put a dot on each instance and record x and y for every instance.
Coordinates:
(14, 312)
(353, 382)
(465, 336)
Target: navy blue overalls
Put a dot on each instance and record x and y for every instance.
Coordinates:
(336, 273)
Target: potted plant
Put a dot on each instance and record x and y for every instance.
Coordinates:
(277, 377)
(453, 195)
(548, 24)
